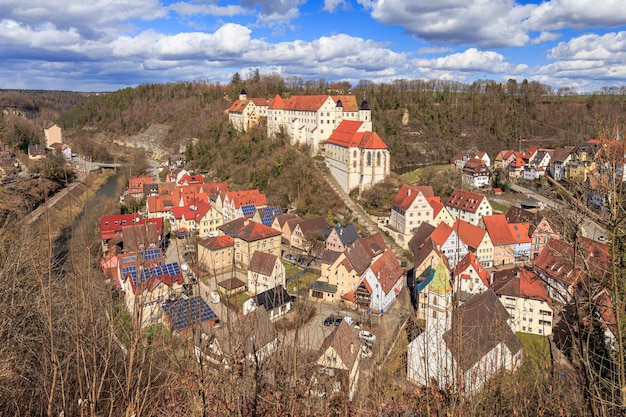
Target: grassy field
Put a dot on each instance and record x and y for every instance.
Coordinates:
(498, 207)
(413, 176)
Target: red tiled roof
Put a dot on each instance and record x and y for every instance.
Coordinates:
(591, 258)
(435, 203)
(527, 285)
(465, 200)
(277, 103)
(111, 226)
(217, 242)
(348, 136)
(468, 261)
(387, 270)
(408, 193)
(469, 234)
(312, 103)
(441, 234)
(246, 197)
(196, 211)
(350, 296)
(503, 233)
(190, 179)
(136, 184)
(248, 230)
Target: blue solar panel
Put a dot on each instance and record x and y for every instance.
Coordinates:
(151, 254)
(268, 214)
(248, 210)
(132, 270)
(184, 312)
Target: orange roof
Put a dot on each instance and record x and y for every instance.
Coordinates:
(312, 103)
(503, 233)
(348, 136)
(468, 261)
(350, 296)
(160, 204)
(469, 234)
(441, 233)
(408, 193)
(247, 197)
(435, 203)
(277, 103)
(238, 106)
(217, 242)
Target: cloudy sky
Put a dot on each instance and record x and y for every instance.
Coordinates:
(105, 45)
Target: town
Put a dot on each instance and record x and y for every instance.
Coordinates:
(476, 279)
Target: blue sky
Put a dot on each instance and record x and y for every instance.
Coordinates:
(105, 45)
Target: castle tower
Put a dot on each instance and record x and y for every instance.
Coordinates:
(365, 115)
(339, 112)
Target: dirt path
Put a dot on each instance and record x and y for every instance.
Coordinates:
(363, 218)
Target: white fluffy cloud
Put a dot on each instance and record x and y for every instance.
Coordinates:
(333, 5)
(486, 23)
(579, 14)
(191, 9)
(228, 40)
(471, 60)
(87, 16)
(494, 23)
(609, 48)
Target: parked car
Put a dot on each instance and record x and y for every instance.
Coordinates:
(358, 325)
(601, 238)
(329, 320)
(367, 336)
(338, 321)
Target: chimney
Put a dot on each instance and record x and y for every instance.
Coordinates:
(491, 274)
(408, 192)
(352, 348)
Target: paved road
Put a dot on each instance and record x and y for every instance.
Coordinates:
(589, 227)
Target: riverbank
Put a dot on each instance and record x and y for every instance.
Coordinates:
(64, 213)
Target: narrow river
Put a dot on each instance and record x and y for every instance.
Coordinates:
(110, 189)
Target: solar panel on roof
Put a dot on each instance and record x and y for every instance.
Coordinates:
(248, 210)
(184, 312)
(129, 259)
(151, 254)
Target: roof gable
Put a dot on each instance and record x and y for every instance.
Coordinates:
(478, 326)
(387, 270)
(262, 263)
(344, 342)
(465, 200)
(408, 193)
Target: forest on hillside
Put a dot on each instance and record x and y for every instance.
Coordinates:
(444, 117)
(421, 122)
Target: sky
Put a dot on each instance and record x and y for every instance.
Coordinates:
(106, 45)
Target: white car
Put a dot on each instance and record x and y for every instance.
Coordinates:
(367, 336)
